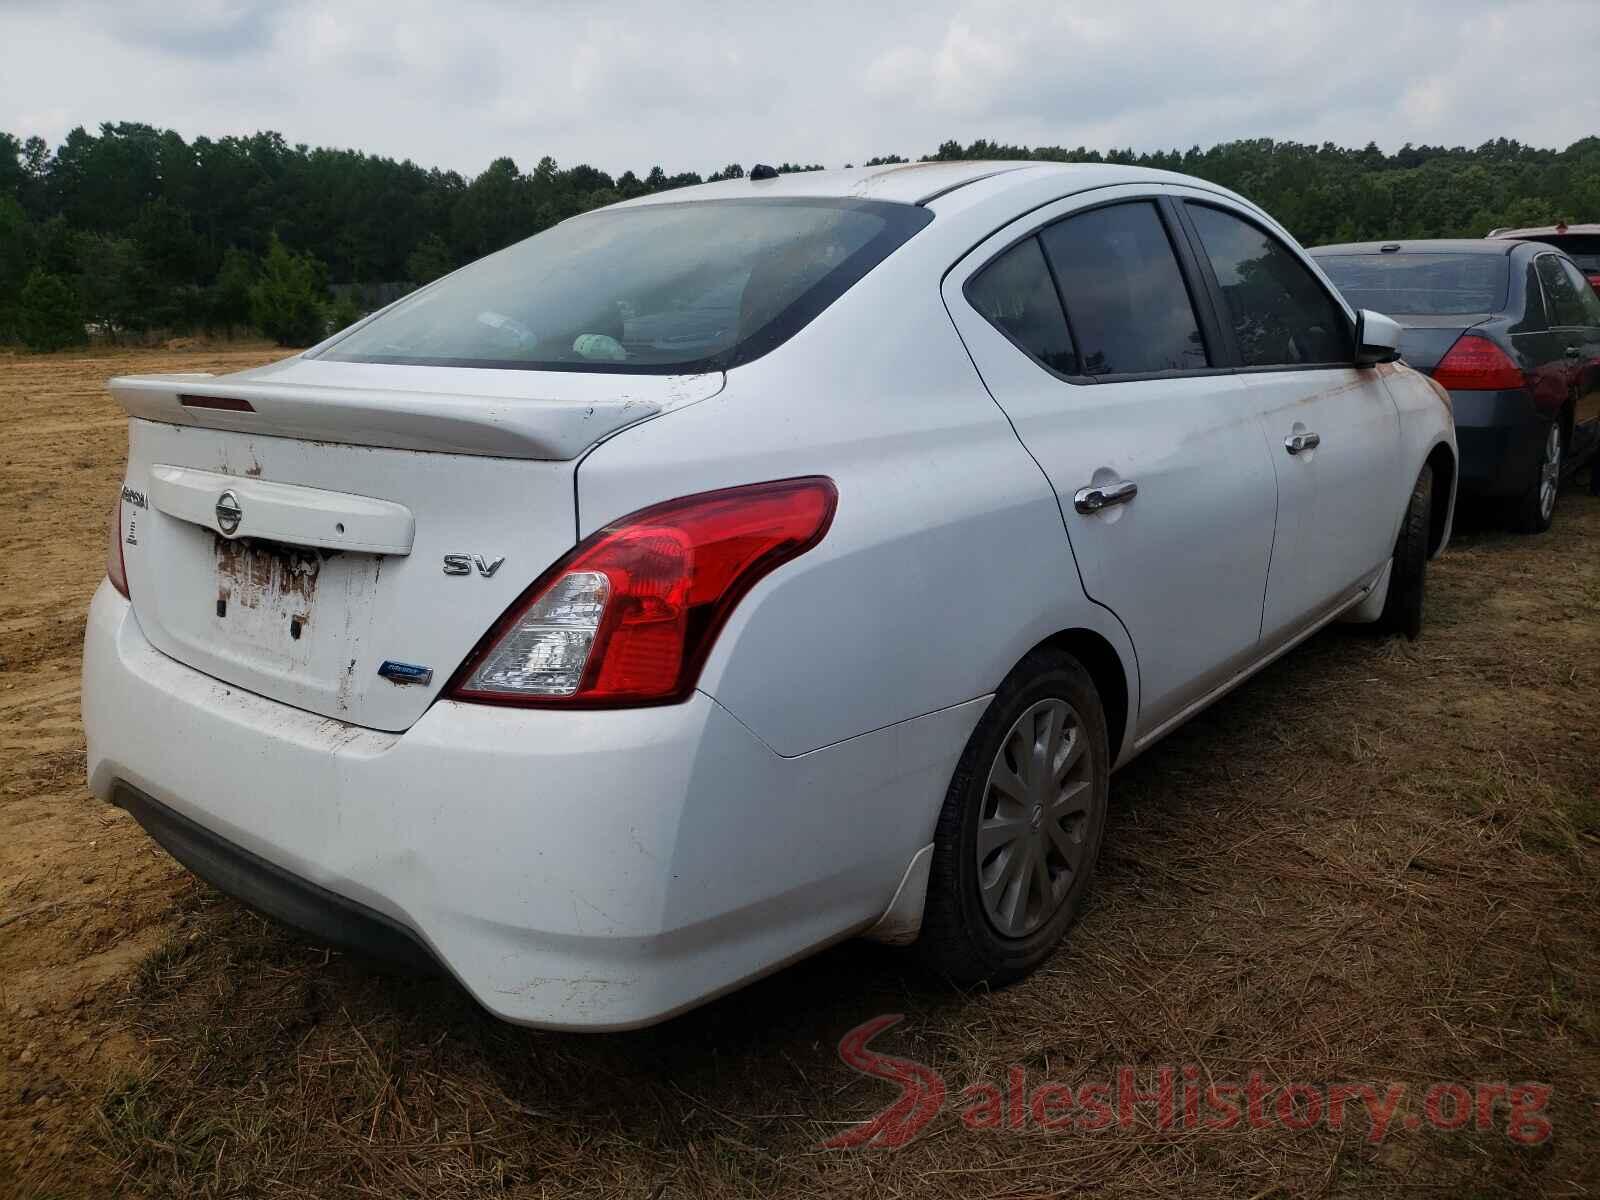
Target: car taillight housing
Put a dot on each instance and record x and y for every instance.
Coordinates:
(116, 566)
(1594, 282)
(629, 615)
(1475, 364)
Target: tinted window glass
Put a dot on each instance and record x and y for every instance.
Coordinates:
(1420, 283)
(1534, 317)
(1588, 302)
(1561, 295)
(1015, 293)
(1281, 314)
(1125, 297)
(667, 288)
(1581, 248)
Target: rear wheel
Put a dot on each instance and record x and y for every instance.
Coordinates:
(1402, 608)
(1021, 827)
(1537, 507)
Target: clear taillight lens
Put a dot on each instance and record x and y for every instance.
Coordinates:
(116, 567)
(629, 616)
(545, 651)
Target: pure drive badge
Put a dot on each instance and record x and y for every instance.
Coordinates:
(399, 672)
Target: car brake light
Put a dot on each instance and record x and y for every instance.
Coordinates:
(116, 567)
(1594, 282)
(630, 614)
(1475, 364)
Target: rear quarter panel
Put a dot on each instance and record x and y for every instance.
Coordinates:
(1426, 423)
(946, 561)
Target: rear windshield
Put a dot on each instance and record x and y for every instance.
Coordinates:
(658, 289)
(1420, 283)
(1581, 248)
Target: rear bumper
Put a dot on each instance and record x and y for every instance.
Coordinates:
(326, 916)
(1500, 436)
(583, 870)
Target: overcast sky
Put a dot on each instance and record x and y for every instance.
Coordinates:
(694, 85)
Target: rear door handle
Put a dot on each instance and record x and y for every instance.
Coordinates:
(1093, 499)
(1296, 443)
(1574, 352)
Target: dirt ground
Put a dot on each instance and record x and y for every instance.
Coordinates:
(1376, 862)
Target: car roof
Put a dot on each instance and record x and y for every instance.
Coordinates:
(906, 183)
(1418, 245)
(1543, 231)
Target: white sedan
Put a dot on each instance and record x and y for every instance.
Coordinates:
(728, 572)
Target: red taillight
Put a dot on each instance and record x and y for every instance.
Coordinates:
(116, 566)
(630, 614)
(1594, 282)
(1475, 364)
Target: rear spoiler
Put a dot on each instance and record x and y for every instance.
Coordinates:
(577, 410)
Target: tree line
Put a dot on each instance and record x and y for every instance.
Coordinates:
(136, 230)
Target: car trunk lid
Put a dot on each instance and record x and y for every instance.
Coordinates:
(338, 536)
(1424, 340)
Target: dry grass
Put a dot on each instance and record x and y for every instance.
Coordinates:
(1378, 861)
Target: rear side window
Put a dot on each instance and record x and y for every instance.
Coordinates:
(1561, 296)
(657, 289)
(1124, 294)
(1588, 302)
(1441, 283)
(1015, 295)
(1281, 315)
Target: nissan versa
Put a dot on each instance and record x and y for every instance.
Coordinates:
(728, 572)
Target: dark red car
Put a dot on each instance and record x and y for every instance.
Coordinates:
(1581, 242)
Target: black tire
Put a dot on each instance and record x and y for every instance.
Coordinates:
(1530, 514)
(959, 939)
(1402, 607)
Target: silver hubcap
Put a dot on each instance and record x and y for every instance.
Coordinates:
(1550, 472)
(1033, 826)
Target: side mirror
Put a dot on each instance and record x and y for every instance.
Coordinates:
(1377, 338)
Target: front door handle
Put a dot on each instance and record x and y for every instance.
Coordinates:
(1297, 443)
(1093, 499)
(1574, 352)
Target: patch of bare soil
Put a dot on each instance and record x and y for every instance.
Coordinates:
(1376, 862)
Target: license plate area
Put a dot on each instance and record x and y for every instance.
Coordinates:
(265, 588)
(291, 608)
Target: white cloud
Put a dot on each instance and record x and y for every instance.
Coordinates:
(704, 82)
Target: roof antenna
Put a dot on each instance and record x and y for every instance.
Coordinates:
(762, 171)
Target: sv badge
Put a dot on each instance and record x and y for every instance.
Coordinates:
(462, 564)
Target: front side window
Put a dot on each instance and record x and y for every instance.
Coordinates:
(1561, 294)
(1281, 315)
(654, 289)
(1125, 297)
(1015, 295)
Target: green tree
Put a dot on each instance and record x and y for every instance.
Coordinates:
(114, 284)
(344, 312)
(429, 260)
(286, 301)
(51, 317)
(18, 251)
(229, 308)
(495, 210)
